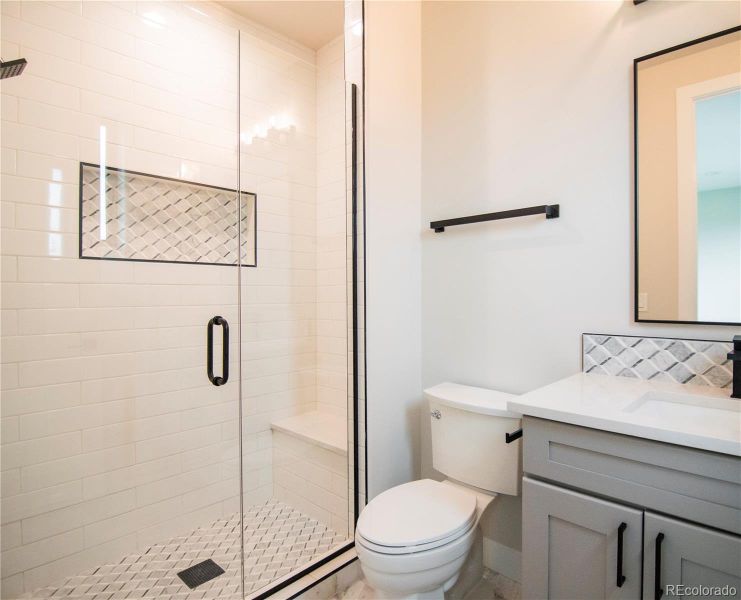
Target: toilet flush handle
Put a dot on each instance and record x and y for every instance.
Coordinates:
(436, 414)
(511, 437)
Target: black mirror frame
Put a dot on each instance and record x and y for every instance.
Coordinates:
(636, 61)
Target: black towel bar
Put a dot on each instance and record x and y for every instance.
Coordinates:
(551, 211)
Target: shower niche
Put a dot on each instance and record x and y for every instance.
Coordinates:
(127, 215)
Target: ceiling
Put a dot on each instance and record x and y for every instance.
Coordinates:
(312, 23)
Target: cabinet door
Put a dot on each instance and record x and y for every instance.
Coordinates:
(570, 545)
(678, 553)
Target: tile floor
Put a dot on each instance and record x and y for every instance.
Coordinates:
(277, 539)
(492, 586)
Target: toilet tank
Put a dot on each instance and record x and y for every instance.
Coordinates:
(468, 426)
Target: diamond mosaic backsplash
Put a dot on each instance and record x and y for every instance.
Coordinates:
(278, 540)
(698, 362)
(152, 218)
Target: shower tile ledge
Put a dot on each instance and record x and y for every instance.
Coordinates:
(320, 428)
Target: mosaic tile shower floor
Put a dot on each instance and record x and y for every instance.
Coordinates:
(278, 539)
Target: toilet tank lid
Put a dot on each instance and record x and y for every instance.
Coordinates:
(473, 399)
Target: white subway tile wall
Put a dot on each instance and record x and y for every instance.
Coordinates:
(112, 437)
(332, 289)
(312, 478)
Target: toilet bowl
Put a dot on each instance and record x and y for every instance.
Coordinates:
(413, 539)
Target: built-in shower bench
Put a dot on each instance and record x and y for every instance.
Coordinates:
(310, 466)
(322, 429)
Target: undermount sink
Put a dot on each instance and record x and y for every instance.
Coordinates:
(711, 411)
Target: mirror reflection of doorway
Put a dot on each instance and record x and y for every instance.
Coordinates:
(718, 168)
(709, 199)
(688, 182)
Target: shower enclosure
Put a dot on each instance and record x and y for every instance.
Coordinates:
(182, 296)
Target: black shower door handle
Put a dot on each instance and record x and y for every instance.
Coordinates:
(217, 320)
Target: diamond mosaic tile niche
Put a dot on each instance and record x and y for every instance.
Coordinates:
(698, 362)
(277, 540)
(150, 218)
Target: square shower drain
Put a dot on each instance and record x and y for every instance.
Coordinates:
(200, 573)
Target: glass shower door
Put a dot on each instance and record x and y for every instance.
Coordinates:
(175, 400)
(294, 305)
(120, 245)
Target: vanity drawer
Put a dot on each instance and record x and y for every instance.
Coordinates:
(692, 484)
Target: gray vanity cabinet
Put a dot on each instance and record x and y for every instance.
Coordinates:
(690, 555)
(572, 548)
(689, 499)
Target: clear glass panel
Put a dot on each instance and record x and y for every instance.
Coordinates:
(295, 304)
(120, 461)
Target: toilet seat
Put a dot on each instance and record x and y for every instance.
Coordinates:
(406, 575)
(416, 548)
(415, 517)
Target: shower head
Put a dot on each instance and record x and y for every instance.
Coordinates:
(11, 68)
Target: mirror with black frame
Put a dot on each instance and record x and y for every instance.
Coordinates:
(688, 182)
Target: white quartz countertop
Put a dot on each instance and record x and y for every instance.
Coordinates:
(687, 415)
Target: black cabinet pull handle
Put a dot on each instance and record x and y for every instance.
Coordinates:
(217, 320)
(658, 590)
(511, 437)
(620, 577)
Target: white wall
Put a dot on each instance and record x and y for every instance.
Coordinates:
(393, 180)
(527, 103)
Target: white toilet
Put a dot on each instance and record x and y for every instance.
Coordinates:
(413, 539)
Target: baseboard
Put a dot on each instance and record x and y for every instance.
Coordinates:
(502, 559)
